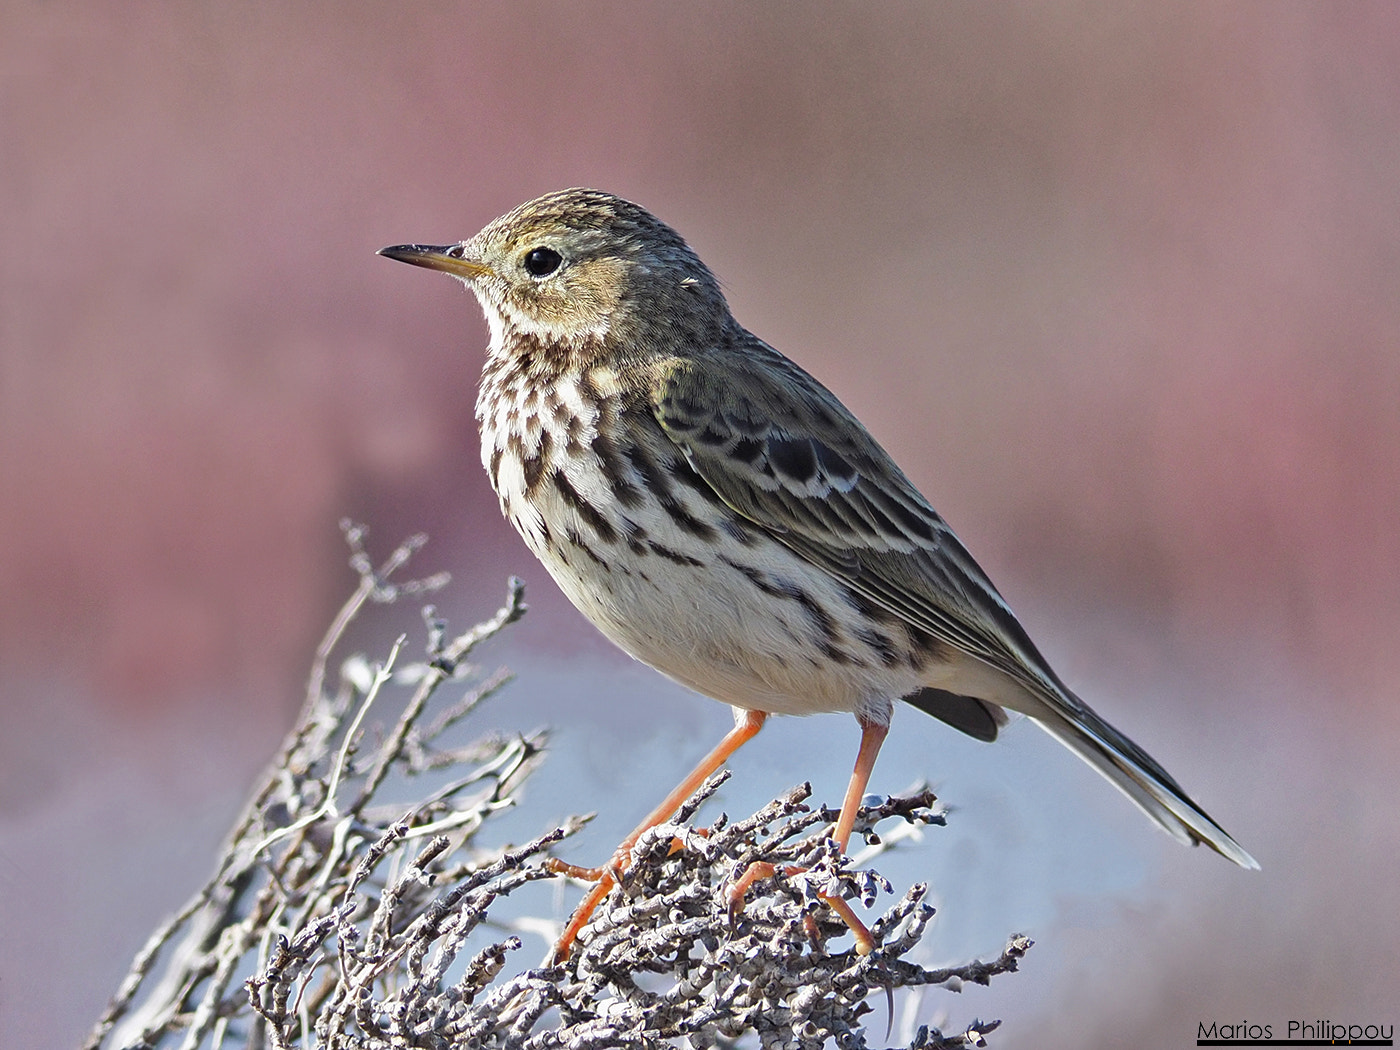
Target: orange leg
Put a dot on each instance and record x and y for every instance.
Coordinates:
(872, 735)
(743, 731)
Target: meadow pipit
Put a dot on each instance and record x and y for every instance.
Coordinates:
(721, 516)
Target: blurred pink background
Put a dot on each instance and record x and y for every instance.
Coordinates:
(1119, 285)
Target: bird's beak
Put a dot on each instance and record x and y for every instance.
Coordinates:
(437, 258)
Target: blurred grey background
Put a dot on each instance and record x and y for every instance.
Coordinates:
(1119, 285)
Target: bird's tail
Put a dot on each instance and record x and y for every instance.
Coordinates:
(1135, 773)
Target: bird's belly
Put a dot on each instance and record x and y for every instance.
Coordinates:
(745, 622)
(708, 627)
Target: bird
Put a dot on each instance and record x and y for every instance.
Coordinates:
(721, 516)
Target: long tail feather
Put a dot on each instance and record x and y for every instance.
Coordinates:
(1135, 773)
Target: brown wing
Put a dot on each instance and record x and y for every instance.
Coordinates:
(785, 453)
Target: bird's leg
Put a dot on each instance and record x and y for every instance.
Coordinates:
(872, 735)
(744, 730)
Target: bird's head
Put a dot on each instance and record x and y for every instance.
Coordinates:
(580, 266)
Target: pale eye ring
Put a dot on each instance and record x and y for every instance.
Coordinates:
(541, 262)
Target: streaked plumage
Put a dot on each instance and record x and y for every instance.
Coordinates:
(721, 516)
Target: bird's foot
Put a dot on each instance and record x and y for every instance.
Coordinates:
(604, 878)
(762, 869)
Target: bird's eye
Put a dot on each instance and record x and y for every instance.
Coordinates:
(541, 262)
